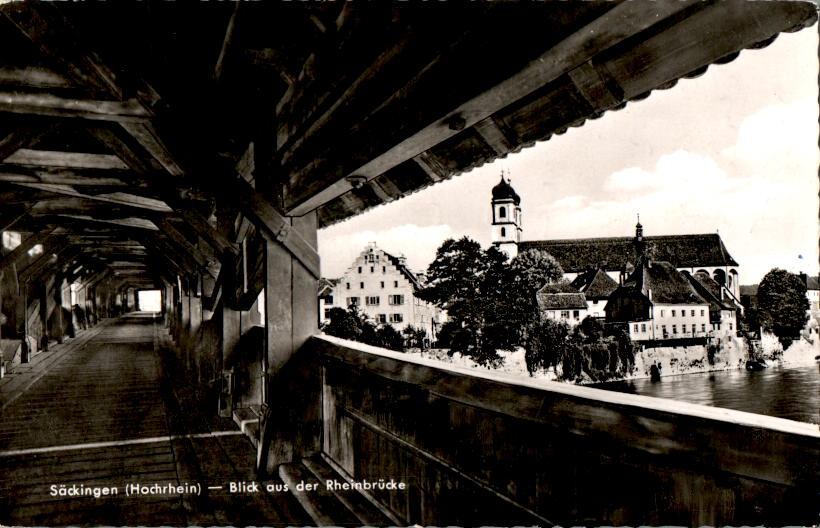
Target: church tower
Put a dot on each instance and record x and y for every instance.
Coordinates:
(506, 226)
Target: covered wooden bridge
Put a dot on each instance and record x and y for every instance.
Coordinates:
(196, 148)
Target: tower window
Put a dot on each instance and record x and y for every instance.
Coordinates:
(503, 232)
(502, 212)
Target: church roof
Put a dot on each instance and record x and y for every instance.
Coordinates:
(667, 284)
(612, 254)
(560, 296)
(595, 284)
(504, 191)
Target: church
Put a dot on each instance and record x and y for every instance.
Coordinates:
(703, 254)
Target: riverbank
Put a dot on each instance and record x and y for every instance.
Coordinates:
(670, 361)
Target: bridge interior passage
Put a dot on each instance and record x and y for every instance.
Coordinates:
(141, 151)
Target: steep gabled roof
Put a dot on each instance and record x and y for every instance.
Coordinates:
(595, 284)
(667, 284)
(404, 270)
(560, 296)
(709, 290)
(612, 254)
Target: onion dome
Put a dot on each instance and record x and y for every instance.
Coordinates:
(504, 191)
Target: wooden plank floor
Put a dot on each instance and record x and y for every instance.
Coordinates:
(107, 415)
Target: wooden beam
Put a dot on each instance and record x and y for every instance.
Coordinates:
(118, 198)
(62, 176)
(32, 77)
(11, 215)
(76, 160)
(130, 110)
(209, 233)
(42, 23)
(50, 256)
(278, 227)
(615, 25)
(179, 239)
(598, 92)
(24, 247)
(147, 136)
(123, 151)
(21, 137)
(172, 252)
(136, 223)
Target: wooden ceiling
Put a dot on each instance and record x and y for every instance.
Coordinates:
(138, 133)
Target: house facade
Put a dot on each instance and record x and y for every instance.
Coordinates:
(658, 302)
(384, 289)
(562, 302)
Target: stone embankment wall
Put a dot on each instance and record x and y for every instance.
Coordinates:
(732, 353)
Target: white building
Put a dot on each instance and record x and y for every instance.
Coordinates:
(658, 302)
(562, 302)
(384, 289)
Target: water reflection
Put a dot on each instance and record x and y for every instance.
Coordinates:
(785, 392)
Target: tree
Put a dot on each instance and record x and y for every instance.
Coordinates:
(389, 338)
(490, 302)
(344, 323)
(415, 337)
(783, 305)
(455, 280)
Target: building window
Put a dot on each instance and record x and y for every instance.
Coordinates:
(663, 329)
(382, 284)
(361, 285)
(353, 301)
(11, 239)
(372, 301)
(381, 318)
(730, 326)
(673, 314)
(395, 284)
(327, 313)
(371, 269)
(396, 300)
(360, 269)
(328, 299)
(661, 313)
(674, 329)
(502, 213)
(635, 328)
(384, 269)
(694, 328)
(703, 328)
(576, 314)
(36, 250)
(693, 313)
(564, 314)
(503, 232)
(396, 318)
(702, 312)
(643, 327)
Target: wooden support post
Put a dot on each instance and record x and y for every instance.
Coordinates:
(292, 423)
(43, 294)
(25, 350)
(231, 331)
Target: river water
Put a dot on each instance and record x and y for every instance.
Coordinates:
(785, 392)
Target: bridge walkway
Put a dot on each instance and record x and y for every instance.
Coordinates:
(104, 411)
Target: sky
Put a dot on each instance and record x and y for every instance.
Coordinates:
(733, 151)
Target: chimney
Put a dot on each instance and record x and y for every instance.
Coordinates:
(804, 278)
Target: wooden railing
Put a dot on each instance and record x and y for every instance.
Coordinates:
(475, 449)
